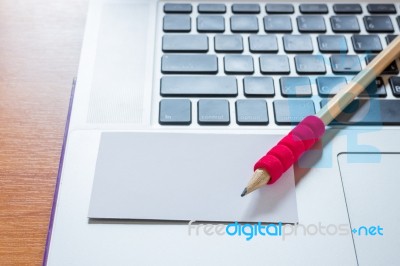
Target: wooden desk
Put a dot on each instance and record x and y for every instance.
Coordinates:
(40, 42)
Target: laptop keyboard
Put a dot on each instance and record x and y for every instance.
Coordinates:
(258, 64)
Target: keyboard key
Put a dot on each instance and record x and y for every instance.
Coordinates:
(395, 85)
(201, 86)
(390, 38)
(258, 87)
(375, 89)
(311, 24)
(238, 64)
(213, 112)
(175, 112)
(332, 44)
(310, 64)
(313, 9)
(185, 64)
(288, 112)
(297, 44)
(366, 43)
(347, 8)
(369, 112)
(210, 24)
(345, 64)
(398, 20)
(277, 24)
(245, 8)
(274, 64)
(279, 8)
(329, 86)
(178, 8)
(228, 43)
(295, 86)
(345, 24)
(244, 24)
(390, 70)
(263, 44)
(381, 9)
(176, 23)
(378, 24)
(251, 112)
(211, 8)
(185, 43)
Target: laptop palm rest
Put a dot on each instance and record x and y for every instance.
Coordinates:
(179, 176)
(371, 185)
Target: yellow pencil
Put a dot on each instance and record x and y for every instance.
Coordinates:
(311, 129)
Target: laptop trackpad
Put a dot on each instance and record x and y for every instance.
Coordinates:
(179, 176)
(371, 185)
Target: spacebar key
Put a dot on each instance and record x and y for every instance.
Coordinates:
(201, 86)
(369, 112)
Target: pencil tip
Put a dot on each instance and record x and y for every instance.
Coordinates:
(244, 192)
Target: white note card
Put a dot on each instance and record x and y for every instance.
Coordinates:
(187, 176)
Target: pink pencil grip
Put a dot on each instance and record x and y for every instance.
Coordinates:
(291, 147)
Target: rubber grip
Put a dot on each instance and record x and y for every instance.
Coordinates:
(289, 149)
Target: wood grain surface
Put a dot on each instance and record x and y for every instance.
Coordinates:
(40, 42)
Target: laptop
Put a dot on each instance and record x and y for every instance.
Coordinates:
(176, 100)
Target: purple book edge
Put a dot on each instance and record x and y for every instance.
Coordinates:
(60, 166)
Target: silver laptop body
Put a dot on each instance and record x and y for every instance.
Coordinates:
(348, 183)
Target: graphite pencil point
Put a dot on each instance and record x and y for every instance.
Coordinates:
(244, 192)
